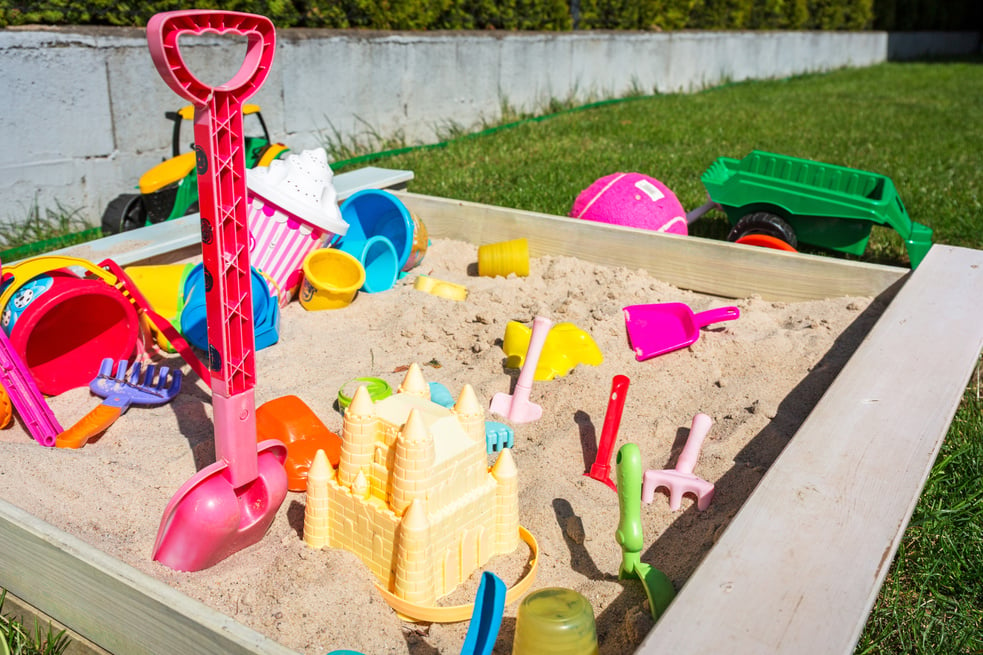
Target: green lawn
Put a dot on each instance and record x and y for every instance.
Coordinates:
(917, 123)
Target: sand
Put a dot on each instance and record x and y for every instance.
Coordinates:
(757, 378)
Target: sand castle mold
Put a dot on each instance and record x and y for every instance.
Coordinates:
(413, 495)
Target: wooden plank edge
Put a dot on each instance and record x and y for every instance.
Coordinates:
(703, 265)
(109, 602)
(182, 236)
(799, 568)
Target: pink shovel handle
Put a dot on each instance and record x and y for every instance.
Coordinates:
(716, 315)
(221, 167)
(221, 178)
(163, 30)
(540, 329)
(694, 442)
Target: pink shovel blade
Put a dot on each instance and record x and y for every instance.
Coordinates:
(208, 519)
(663, 327)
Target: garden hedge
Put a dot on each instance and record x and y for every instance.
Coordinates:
(547, 15)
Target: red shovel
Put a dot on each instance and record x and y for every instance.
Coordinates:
(601, 468)
(660, 328)
(230, 504)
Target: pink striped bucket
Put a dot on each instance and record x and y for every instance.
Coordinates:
(292, 211)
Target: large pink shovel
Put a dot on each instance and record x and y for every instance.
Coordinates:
(230, 504)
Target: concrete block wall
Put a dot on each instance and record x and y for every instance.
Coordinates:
(84, 107)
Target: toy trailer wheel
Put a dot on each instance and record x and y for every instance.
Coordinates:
(764, 223)
(125, 212)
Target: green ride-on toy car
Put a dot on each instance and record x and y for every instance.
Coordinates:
(170, 189)
(794, 200)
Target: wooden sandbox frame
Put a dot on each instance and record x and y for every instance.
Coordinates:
(798, 568)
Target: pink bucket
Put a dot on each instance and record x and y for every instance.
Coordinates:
(278, 244)
(292, 211)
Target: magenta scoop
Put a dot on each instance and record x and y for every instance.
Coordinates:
(663, 327)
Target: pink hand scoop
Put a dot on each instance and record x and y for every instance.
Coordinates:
(517, 407)
(680, 480)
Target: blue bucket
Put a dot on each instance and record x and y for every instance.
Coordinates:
(194, 318)
(375, 212)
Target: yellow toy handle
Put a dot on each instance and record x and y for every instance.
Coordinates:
(30, 268)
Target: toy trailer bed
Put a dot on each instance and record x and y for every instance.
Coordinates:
(798, 568)
(827, 206)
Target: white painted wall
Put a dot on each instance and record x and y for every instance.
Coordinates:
(83, 108)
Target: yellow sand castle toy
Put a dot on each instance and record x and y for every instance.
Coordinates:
(414, 498)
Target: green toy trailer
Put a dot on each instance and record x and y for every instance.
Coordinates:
(802, 201)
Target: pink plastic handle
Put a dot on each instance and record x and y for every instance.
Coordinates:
(221, 178)
(694, 442)
(25, 396)
(716, 315)
(163, 30)
(540, 329)
(221, 165)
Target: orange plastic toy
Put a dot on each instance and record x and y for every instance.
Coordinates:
(289, 420)
(6, 409)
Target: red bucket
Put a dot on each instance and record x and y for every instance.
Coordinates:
(62, 325)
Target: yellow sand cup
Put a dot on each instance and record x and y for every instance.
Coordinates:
(331, 279)
(503, 258)
(555, 620)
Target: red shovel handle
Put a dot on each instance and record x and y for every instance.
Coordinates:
(601, 468)
(163, 31)
(612, 418)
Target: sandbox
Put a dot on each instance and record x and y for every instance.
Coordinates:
(830, 397)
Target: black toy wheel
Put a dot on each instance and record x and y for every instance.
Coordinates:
(125, 212)
(764, 223)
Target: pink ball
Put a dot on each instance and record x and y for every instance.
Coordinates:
(633, 200)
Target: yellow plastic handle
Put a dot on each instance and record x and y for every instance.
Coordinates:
(95, 422)
(30, 268)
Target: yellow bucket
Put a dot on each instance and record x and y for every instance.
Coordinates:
(504, 258)
(162, 285)
(331, 279)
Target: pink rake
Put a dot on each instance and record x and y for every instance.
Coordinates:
(680, 480)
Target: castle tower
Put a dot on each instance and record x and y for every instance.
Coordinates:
(470, 414)
(357, 437)
(413, 575)
(412, 463)
(413, 383)
(316, 519)
(506, 502)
